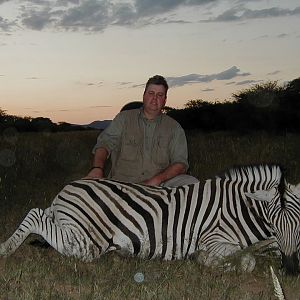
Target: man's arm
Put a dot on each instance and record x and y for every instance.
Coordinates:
(106, 142)
(178, 159)
(170, 172)
(97, 170)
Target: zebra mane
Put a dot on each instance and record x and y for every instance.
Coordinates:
(255, 172)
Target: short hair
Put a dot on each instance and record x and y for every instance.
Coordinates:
(159, 80)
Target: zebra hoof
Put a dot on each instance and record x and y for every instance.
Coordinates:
(2, 251)
(200, 257)
(248, 263)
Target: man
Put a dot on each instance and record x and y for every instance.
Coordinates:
(144, 145)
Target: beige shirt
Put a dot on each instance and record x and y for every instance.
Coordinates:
(141, 148)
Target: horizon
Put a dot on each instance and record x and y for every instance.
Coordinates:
(81, 61)
(110, 119)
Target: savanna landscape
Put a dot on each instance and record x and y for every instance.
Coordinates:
(67, 68)
(35, 166)
(38, 157)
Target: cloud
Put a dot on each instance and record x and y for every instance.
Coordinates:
(138, 85)
(37, 20)
(282, 35)
(198, 78)
(90, 83)
(241, 13)
(245, 82)
(124, 83)
(265, 36)
(100, 83)
(97, 15)
(76, 15)
(274, 73)
(90, 15)
(149, 8)
(6, 25)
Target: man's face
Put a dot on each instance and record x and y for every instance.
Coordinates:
(154, 98)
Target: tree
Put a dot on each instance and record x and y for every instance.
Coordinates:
(293, 87)
(263, 95)
(42, 124)
(290, 106)
(2, 112)
(291, 95)
(196, 104)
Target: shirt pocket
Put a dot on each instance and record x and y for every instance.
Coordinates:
(129, 150)
(161, 151)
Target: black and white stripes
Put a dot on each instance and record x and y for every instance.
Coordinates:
(219, 216)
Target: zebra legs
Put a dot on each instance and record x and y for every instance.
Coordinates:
(227, 255)
(26, 227)
(232, 256)
(65, 240)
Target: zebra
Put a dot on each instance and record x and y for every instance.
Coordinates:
(218, 217)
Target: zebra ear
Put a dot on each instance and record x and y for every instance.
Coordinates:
(295, 189)
(262, 195)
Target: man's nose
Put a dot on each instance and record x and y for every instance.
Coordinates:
(155, 96)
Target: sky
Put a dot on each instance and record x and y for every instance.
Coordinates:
(77, 61)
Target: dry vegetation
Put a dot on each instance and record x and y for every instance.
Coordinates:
(34, 167)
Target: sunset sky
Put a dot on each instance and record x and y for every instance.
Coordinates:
(78, 61)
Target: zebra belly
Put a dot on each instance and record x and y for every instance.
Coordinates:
(126, 247)
(111, 224)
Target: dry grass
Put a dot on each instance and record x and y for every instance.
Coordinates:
(45, 162)
(44, 274)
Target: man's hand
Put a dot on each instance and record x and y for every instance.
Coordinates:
(154, 181)
(170, 172)
(97, 171)
(94, 173)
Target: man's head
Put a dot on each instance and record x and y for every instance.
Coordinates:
(155, 96)
(158, 80)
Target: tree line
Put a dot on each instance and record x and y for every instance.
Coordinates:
(39, 124)
(266, 106)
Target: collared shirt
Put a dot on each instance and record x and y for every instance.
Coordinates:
(111, 137)
(149, 127)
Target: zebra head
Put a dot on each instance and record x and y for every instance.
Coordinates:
(290, 214)
(284, 216)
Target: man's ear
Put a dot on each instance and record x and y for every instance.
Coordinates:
(262, 195)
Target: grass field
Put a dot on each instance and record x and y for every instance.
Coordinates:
(34, 167)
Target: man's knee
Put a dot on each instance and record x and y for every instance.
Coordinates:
(180, 180)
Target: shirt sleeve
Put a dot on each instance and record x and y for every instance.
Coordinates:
(178, 147)
(110, 137)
